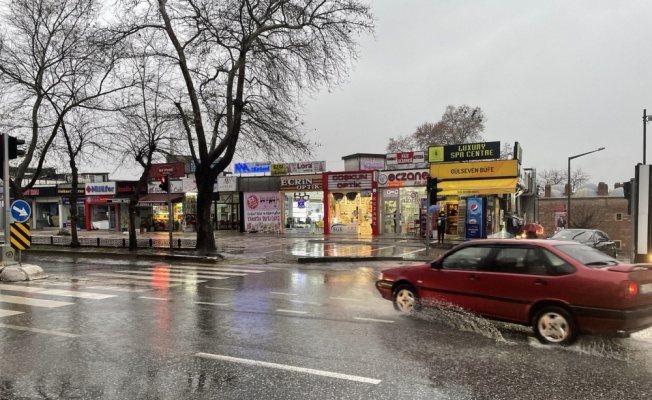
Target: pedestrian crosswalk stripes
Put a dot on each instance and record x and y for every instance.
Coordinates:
(200, 271)
(148, 278)
(247, 270)
(32, 301)
(175, 274)
(136, 280)
(54, 292)
(6, 313)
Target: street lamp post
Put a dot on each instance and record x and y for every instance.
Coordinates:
(568, 213)
(646, 119)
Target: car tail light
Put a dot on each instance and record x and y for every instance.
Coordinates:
(631, 289)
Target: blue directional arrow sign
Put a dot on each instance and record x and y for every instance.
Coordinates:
(20, 210)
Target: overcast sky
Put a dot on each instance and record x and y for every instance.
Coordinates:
(560, 77)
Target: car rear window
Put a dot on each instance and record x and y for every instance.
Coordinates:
(588, 256)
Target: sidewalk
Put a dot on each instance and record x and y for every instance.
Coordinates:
(187, 254)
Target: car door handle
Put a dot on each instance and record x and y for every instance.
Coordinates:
(540, 282)
(474, 277)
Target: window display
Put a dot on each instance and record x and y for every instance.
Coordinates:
(350, 212)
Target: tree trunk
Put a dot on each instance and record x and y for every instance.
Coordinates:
(205, 237)
(74, 241)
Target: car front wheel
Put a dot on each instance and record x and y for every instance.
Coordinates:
(405, 299)
(554, 325)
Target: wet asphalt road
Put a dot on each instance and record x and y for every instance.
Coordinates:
(251, 329)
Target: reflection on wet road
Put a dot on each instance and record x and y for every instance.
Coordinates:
(151, 330)
(301, 247)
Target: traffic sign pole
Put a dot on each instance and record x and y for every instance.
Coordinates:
(5, 185)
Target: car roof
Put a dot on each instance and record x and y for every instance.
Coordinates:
(519, 242)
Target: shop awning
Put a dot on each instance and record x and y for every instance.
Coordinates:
(158, 199)
(478, 186)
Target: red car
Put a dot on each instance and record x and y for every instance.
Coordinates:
(560, 288)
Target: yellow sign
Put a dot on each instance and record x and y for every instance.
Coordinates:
(475, 169)
(278, 169)
(478, 186)
(20, 236)
(436, 154)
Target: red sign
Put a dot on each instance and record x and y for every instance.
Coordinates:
(175, 170)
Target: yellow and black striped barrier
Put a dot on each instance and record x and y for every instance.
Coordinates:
(20, 235)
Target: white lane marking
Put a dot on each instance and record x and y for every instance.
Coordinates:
(147, 278)
(306, 302)
(56, 292)
(344, 298)
(117, 289)
(415, 251)
(212, 304)
(290, 368)
(32, 302)
(185, 270)
(243, 269)
(386, 247)
(154, 298)
(292, 311)
(173, 274)
(6, 313)
(273, 251)
(285, 294)
(218, 288)
(49, 332)
(374, 320)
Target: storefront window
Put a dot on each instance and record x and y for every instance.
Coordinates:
(191, 212)
(350, 212)
(161, 217)
(304, 212)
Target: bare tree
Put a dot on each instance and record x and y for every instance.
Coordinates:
(81, 139)
(244, 66)
(461, 124)
(52, 61)
(507, 152)
(144, 129)
(560, 177)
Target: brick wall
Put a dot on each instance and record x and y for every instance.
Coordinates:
(602, 212)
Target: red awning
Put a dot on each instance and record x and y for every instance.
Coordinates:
(158, 199)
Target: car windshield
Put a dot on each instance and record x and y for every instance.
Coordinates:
(578, 235)
(588, 255)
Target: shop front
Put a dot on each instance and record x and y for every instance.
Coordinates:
(471, 187)
(100, 214)
(64, 193)
(261, 203)
(226, 204)
(402, 193)
(351, 203)
(155, 210)
(302, 198)
(45, 206)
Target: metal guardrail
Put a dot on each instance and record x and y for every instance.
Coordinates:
(150, 243)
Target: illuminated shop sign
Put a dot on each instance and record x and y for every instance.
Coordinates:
(410, 157)
(353, 181)
(464, 152)
(306, 167)
(252, 168)
(304, 182)
(403, 178)
(100, 188)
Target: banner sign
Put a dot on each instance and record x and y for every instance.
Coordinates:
(401, 178)
(262, 212)
(174, 170)
(306, 167)
(464, 152)
(475, 212)
(410, 157)
(252, 168)
(478, 169)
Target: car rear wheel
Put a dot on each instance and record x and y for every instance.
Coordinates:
(406, 300)
(554, 325)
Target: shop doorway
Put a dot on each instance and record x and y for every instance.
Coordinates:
(392, 216)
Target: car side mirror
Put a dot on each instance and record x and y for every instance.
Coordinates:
(436, 264)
